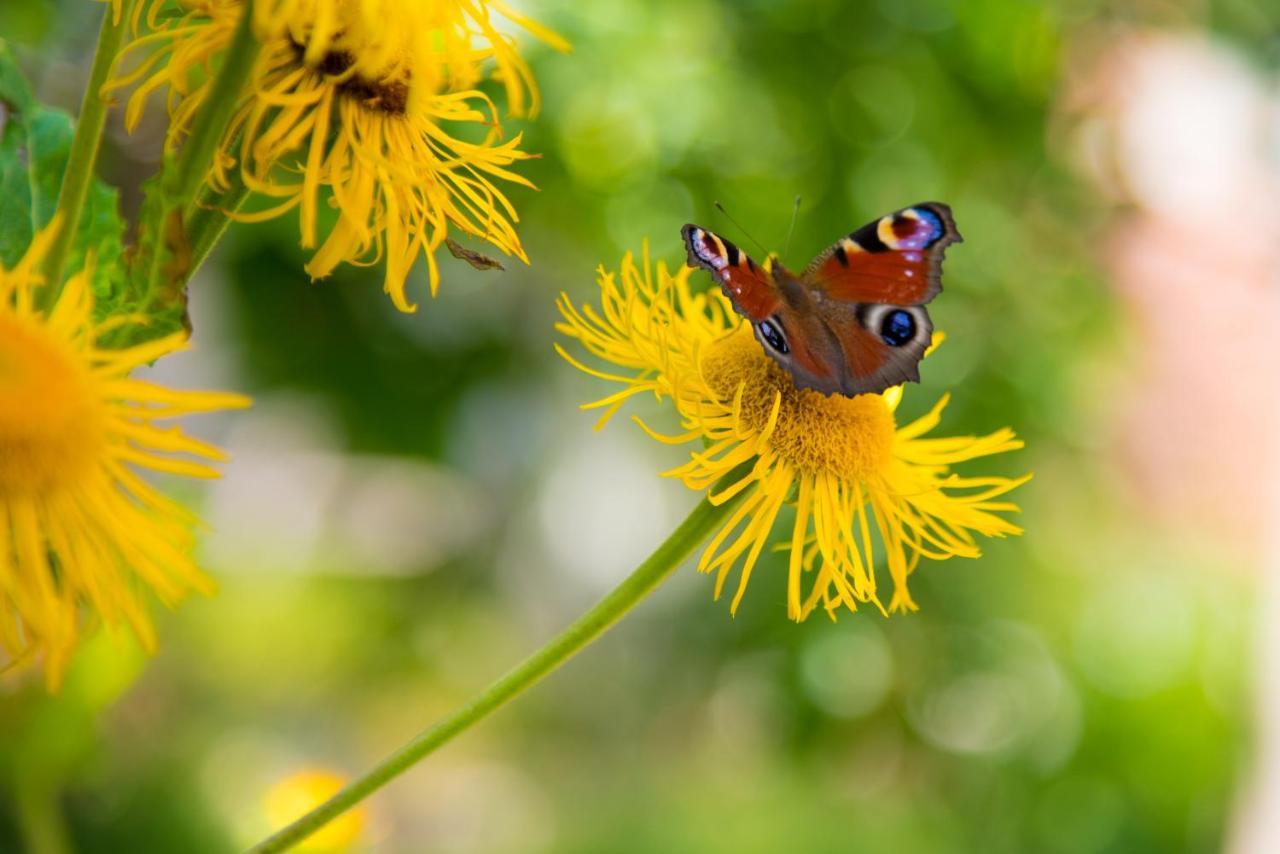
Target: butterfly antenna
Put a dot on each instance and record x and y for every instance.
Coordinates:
(720, 208)
(791, 229)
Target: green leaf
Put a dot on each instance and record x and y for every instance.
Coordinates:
(14, 90)
(158, 264)
(35, 142)
(15, 188)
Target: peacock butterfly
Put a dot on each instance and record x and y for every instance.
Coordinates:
(854, 321)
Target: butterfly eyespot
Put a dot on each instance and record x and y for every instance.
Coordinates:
(773, 336)
(898, 327)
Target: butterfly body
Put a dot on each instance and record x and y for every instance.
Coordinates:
(853, 322)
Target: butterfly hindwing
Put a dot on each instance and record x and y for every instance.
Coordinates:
(883, 347)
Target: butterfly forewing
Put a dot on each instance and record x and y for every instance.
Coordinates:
(895, 260)
(746, 284)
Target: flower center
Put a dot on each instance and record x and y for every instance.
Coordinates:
(50, 432)
(390, 96)
(851, 438)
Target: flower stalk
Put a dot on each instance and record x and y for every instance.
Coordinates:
(210, 125)
(210, 217)
(183, 180)
(39, 815)
(81, 163)
(697, 526)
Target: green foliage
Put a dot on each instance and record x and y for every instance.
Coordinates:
(34, 144)
(158, 264)
(150, 279)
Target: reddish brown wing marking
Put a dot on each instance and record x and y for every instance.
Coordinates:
(896, 260)
(749, 287)
(810, 362)
(865, 354)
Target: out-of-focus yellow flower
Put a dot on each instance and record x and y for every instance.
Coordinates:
(301, 792)
(80, 529)
(864, 490)
(363, 104)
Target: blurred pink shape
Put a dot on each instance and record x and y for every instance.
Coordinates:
(1177, 130)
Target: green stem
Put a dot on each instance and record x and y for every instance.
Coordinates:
(40, 819)
(78, 177)
(211, 122)
(164, 228)
(209, 220)
(692, 531)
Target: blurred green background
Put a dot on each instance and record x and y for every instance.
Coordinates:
(415, 501)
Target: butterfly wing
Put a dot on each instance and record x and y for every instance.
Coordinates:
(896, 260)
(870, 288)
(767, 297)
(747, 285)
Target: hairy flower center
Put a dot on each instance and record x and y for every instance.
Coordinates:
(50, 433)
(851, 438)
(390, 96)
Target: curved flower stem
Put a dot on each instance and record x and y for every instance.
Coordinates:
(78, 176)
(683, 540)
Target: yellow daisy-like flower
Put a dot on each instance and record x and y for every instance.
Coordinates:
(80, 529)
(363, 104)
(864, 491)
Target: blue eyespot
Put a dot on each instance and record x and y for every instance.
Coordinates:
(773, 336)
(921, 232)
(936, 229)
(898, 327)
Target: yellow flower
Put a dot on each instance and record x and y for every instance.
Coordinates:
(363, 104)
(304, 790)
(863, 490)
(80, 528)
